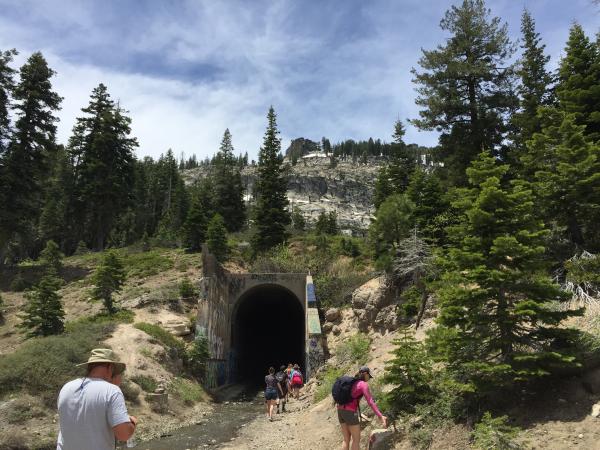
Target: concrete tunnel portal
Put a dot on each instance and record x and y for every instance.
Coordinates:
(268, 329)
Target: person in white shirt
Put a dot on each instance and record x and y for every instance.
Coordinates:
(92, 409)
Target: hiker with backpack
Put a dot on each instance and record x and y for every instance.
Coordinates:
(282, 392)
(296, 381)
(271, 392)
(347, 392)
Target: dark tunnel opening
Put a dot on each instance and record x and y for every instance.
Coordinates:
(268, 330)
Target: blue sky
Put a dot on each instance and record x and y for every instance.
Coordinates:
(186, 70)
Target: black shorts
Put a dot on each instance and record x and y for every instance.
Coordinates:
(280, 395)
(348, 417)
(270, 394)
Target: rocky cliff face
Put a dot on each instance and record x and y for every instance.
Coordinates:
(315, 186)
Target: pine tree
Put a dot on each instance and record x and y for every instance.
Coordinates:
(567, 177)
(393, 222)
(7, 86)
(410, 372)
(51, 257)
(102, 151)
(429, 197)
(54, 218)
(298, 221)
(465, 86)
(199, 214)
(228, 186)
(496, 325)
(535, 87)
(578, 88)
(108, 279)
(270, 215)
(395, 176)
(43, 313)
(217, 237)
(27, 159)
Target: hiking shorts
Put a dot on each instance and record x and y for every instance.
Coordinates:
(348, 417)
(280, 395)
(270, 394)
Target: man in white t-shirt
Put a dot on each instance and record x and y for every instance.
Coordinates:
(92, 409)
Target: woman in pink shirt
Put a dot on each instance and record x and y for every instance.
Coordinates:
(348, 414)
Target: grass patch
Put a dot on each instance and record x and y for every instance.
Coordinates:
(354, 350)
(145, 264)
(163, 336)
(42, 365)
(187, 391)
(148, 384)
(326, 380)
(121, 316)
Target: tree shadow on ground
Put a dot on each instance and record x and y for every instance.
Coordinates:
(31, 275)
(567, 399)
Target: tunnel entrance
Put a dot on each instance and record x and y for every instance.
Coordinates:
(267, 330)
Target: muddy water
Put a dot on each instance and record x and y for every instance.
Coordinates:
(222, 425)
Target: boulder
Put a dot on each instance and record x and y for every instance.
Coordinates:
(380, 439)
(177, 328)
(332, 315)
(596, 410)
(327, 327)
(336, 330)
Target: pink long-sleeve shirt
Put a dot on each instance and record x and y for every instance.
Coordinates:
(361, 389)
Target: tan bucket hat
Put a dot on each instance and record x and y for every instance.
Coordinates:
(105, 355)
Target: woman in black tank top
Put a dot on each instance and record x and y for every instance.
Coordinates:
(271, 392)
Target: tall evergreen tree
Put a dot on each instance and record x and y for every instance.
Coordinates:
(578, 88)
(109, 278)
(7, 86)
(270, 215)
(43, 314)
(496, 325)
(535, 83)
(567, 175)
(217, 237)
(199, 214)
(228, 186)
(26, 161)
(104, 165)
(429, 197)
(465, 86)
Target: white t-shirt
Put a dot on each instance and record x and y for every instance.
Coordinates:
(89, 408)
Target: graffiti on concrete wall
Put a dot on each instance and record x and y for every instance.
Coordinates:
(316, 355)
(216, 373)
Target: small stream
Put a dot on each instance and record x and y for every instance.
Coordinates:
(218, 427)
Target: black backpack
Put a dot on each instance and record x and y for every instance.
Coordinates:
(342, 389)
(280, 376)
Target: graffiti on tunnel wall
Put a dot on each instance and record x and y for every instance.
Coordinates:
(216, 373)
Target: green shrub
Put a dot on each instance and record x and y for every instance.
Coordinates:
(121, 316)
(188, 391)
(163, 336)
(354, 350)
(326, 380)
(23, 409)
(145, 264)
(19, 284)
(197, 356)
(148, 384)
(336, 290)
(187, 289)
(495, 434)
(42, 365)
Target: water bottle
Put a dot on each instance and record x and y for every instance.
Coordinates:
(131, 442)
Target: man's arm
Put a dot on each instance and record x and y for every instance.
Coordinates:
(125, 430)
